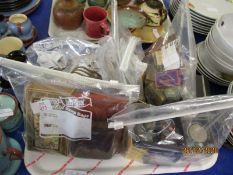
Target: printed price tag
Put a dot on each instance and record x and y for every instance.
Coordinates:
(41, 106)
(171, 59)
(4, 113)
(75, 172)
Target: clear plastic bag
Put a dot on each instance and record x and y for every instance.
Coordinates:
(64, 54)
(67, 113)
(181, 132)
(100, 61)
(170, 75)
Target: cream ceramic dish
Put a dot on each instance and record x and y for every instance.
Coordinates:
(9, 44)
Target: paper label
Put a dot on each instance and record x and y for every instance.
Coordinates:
(171, 59)
(64, 117)
(4, 113)
(77, 102)
(75, 172)
(41, 106)
(72, 124)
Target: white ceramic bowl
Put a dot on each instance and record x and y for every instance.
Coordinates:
(222, 33)
(218, 52)
(220, 65)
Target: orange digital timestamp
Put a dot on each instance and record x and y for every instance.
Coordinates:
(200, 150)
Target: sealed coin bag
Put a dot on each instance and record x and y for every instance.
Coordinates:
(67, 113)
(170, 75)
(63, 54)
(177, 133)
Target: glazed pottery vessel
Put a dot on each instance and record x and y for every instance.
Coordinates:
(10, 155)
(4, 161)
(3, 25)
(68, 14)
(9, 44)
(9, 122)
(96, 25)
(155, 12)
(20, 25)
(101, 3)
(123, 2)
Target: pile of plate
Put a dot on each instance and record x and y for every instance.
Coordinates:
(215, 54)
(204, 13)
(12, 5)
(230, 92)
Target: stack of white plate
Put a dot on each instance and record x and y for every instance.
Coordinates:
(215, 54)
(230, 92)
(204, 12)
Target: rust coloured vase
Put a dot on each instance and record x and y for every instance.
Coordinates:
(68, 14)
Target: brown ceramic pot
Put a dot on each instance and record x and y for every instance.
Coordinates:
(68, 14)
(123, 2)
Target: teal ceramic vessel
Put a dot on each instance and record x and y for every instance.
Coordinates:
(10, 123)
(10, 155)
(3, 25)
(4, 161)
(131, 18)
(101, 3)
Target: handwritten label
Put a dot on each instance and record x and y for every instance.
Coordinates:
(41, 106)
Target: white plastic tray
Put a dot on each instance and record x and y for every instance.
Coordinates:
(50, 164)
(56, 31)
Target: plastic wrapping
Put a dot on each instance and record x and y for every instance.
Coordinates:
(100, 61)
(67, 113)
(170, 75)
(181, 132)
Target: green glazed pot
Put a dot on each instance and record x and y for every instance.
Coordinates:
(10, 123)
(101, 3)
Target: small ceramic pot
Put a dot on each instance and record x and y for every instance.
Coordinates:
(101, 3)
(68, 14)
(16, 55)
(4, 160)
(10, 155)
(155, 12)
(12, 122)
(123, 2)
(3, 25)
(20, 25)
(9, 44)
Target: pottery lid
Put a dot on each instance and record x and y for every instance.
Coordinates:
(7, 104)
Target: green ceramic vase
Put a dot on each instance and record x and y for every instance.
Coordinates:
(101, 3)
